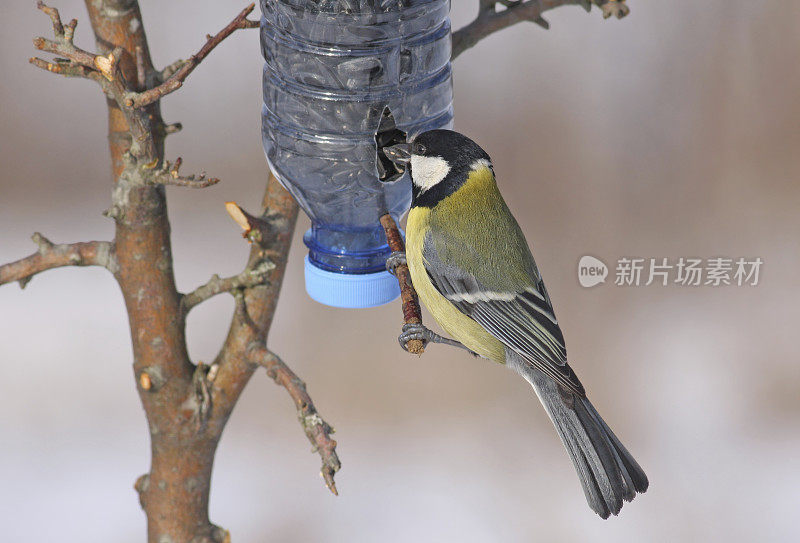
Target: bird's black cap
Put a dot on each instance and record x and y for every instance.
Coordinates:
(460, 153)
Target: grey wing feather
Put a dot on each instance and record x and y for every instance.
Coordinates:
(523, 321)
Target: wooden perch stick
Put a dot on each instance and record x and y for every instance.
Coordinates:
(411, 310)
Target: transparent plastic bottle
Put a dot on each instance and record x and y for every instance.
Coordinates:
(332, 68)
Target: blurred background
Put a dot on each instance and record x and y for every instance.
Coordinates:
(671, 133)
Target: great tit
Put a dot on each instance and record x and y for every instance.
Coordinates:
(473, 270)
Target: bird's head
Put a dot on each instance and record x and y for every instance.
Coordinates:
(440, 162)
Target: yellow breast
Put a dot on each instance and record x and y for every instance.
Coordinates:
(454, 322)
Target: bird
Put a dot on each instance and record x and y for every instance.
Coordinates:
(473, 270)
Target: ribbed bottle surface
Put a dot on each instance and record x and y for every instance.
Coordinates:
(332, 67)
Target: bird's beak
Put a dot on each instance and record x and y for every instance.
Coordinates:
(399, 154)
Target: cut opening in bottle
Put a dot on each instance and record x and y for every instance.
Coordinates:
(387, 135)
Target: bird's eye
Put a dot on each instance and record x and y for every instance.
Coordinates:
(420, 149)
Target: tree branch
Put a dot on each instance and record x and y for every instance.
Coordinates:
(168, 175)
(270, 236)
(172, 77)
(49, 256)
(66, 68)
(491, 20)
(260, 231)
(250, 277)
(187, 405)
(78, 63)
(146, 131)
(175, 79)
(316, 429)
(412, 313)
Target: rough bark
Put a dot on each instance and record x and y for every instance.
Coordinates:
(187, 405)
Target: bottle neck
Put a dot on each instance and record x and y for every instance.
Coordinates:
(347, 250)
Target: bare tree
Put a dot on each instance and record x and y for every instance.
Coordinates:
(187, 405)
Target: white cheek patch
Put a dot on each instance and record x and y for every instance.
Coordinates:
(428, 171)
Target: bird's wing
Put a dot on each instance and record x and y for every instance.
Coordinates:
(519, 314)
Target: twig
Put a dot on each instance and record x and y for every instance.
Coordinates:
(489, 20)
(67, 69)
(316, 429)
(167, 72)
(106, 70)
(257, 230)
(65, 49)
(55, 17)
(76, 62)
(49, 256)
(69, 31)
(217, 285)
(411, 310)
(169, 175)
(176, 79)
(75, 56)
(241, 217)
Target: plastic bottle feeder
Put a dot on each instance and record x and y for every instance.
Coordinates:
(343, 78)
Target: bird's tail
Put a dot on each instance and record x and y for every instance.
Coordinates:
(607, 471)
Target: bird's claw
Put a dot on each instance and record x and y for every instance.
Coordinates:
(419, 332)
(414, 331)
(397, 258)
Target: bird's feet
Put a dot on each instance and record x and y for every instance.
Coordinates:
(419, 332)
(397, 258)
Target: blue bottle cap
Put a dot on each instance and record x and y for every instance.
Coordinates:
(350, 290)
